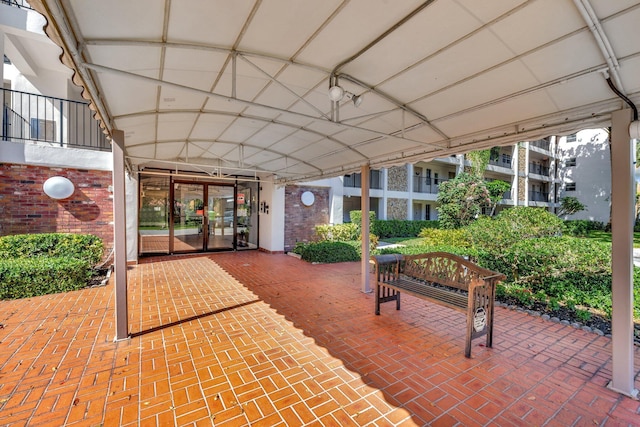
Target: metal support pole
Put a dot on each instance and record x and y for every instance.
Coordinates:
(364, 175)
(622, 219)
(120, 235)
(4, 134)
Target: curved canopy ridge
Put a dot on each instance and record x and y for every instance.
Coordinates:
(243, 85)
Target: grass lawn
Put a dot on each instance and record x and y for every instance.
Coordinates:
(604, 236)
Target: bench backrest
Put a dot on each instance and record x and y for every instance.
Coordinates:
(437, 267)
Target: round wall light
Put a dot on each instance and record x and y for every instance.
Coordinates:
(58, 187)
(307, 198)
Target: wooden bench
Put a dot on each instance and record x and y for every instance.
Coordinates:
(444, 279)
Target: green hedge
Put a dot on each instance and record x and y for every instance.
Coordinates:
(554, 271)
(400, 228)
(39, 264)
(329, 252)
(338, 232)
(29, 277)
(580, 227)
(81, 246)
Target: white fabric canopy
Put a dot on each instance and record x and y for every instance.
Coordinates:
(230, 86)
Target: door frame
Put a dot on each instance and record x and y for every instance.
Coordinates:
(205, 216)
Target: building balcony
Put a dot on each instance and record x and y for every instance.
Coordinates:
(426, 184)
(50, 120)
(502, 161)
(542, 144)
(538, 196)
(539, 169)
(354, 180)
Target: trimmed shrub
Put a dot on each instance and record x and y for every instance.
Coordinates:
(534, 260)
(39, 264)
(422, 249)
(356, 217)
(328, 252)
(338, 232)
(494, 235)
(29, 277)
(81, 246)
(400, 228)
(580, 227)
(555, 270)
(449, 237)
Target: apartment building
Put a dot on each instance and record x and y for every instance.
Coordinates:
(48, 131)
(540, 173)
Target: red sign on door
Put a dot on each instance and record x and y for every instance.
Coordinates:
(241, 198)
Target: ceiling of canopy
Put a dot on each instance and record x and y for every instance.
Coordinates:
(243, 86)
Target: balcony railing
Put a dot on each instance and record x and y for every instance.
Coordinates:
(538, 169)
(60, 122)
(426, 184)
(17, 3)
(538, 196)
(502, 161)
(354, 180)
(541, 143)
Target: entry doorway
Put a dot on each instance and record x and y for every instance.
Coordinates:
(184, 216)
(203, 217)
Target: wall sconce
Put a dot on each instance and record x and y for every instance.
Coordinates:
(264, 208)
(336, 94)
(58, 187)
(307, 198)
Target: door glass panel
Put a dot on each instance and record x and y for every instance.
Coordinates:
(153, 220)
(220, 217)
(188, 217)
(247, 210)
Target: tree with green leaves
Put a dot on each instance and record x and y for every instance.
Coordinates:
(479, 161)
(496, 189)
(570, 205)
(461, 200)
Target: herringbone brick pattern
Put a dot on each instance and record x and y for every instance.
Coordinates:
(254, 339)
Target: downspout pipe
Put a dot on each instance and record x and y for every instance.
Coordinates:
(622, 96)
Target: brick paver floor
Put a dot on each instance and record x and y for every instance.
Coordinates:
(255, 339)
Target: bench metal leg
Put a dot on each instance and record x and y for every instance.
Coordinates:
(397, 300)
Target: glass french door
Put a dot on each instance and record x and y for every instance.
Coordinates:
(189, 216)
(221, 217)
(203, 217)
(187, 225)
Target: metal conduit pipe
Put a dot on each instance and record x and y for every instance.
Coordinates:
(590, 18)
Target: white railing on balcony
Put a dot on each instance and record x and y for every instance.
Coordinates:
(22, 4)
(60, 122)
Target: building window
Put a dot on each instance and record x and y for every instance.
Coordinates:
(570, 186)
(572, 138)
(43, 130)
(427, 212)
(570, 161)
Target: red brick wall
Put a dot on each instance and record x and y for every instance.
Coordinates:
(24, 208)
(300, 220)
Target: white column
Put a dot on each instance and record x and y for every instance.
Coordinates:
(120, 235)
(514, 167)
(385, 196)
(410, 192)
(364, 171)
(2, 83)
(622, 218)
